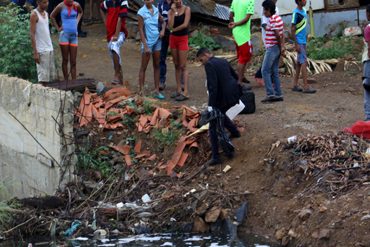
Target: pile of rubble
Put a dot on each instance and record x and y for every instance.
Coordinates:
(338, 162)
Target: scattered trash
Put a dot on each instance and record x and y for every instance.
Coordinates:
(352, 31)
(226, 169)
(100, 233)
(292, 139)
(74, 226)
(366, 217)
(145, 198)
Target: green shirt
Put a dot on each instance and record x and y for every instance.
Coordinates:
(240, 8)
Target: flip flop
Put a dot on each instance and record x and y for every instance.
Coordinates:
(159, 96)
(175, 94)
(181, 97)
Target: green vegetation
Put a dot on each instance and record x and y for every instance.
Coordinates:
(16, 56)
(96, 160)
(201, 40)
(166, 138)
(333, 47)
(148, 107)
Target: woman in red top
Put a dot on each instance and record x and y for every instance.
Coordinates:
(178, 22)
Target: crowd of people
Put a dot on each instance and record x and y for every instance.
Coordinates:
(167, 26)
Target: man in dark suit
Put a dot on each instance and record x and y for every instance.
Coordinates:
(223, 93)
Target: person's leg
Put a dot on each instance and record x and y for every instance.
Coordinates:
(156, 69)
(367, 104)
(240, 69)
(183, 59)
(214, 141)
(275, 72)
(176, 62)
(117, 68)
(72, 61)
(267, 71)
(145, 57)
(231, 127)
(163, 65)
(65, 55)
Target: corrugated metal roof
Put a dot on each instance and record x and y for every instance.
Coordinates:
(220, 12)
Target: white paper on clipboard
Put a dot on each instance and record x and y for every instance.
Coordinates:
(235, 110)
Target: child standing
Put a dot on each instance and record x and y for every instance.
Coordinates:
(114, 13)
(366, 69)
(274, 44)
(148, 19)
(299, 34)
(43, 51)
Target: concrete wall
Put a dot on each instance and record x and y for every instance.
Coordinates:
(26, 169)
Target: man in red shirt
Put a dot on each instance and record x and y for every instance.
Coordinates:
(114, 13)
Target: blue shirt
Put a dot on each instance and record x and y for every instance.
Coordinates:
(151, 29)
(164, 7)
(299, 19)
(69, 20)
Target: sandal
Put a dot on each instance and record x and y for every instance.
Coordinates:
(116, 82)
(181, 97)
(158, 96)
(175, 95)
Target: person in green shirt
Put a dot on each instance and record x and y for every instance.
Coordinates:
(240, 23)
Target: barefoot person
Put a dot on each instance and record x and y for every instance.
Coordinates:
(274, 43)
(299, 34)
(148, 19)
(223, 93)
(70, 13)
(42, 46)
(178, 22)
(114, 13)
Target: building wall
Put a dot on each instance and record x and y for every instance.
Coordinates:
(26, 169)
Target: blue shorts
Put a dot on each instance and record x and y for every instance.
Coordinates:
(153, 47)
(68, 39)
(302, 54)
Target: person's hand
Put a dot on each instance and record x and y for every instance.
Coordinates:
(297, 48)
(60, 28)
(146, 49)
(114, 38)
(161, 34)
(36, 57)
(231, 25)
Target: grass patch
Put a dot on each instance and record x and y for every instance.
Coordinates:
(333, 47)
(166, 137)
(95, 159)
(202, 40)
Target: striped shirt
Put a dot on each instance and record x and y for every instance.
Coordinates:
(276, 23)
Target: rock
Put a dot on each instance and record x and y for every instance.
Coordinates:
(199, 226)
(212, 215)
(322, 209)
(305, 214)
(292, 234)
(366, 217)
(321, 234)
(279, 234)
(202, 209)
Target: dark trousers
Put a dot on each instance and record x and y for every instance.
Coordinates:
(82, 3)
(162, 63)
(229, 125)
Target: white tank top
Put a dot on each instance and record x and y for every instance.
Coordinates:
(42, 35)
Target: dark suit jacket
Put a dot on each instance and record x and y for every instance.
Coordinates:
(222, 84)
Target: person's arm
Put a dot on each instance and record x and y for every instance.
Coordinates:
(212, 84)
(103, 10)
(53, 15)
(33, 21)
(231, 17)
(185, 24)
(293, 30)
(142, 33)
(163, 29)
(79, 11)
(171, 19)
(243, 21)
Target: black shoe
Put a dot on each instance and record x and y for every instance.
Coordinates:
(269, 99)
(235, 135)
(213, 162)
(82, 34)
(279, 98)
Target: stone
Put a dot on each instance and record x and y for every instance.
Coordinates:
(212, 215)
(292, 234)
(199, 226)
(279, 234)
(305, 214)
(322, 209)
(321, 234)
(366, 217)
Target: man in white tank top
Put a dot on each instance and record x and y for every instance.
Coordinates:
(41, 43)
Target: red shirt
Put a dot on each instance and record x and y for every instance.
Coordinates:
(115, 9)
(275, 23)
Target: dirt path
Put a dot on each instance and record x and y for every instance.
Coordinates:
(274, 203)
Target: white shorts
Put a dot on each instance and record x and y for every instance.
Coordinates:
(46, 68)
(115, 46)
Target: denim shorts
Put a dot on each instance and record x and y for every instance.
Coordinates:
(302, 54)
(68, 39)
(153, 47)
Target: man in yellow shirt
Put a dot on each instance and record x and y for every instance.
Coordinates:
(240, 23)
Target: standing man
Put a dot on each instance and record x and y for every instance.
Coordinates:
(240, 23)
(114, 13)
(164, 6)
(41, 42)
(299, 34)
(223, 93)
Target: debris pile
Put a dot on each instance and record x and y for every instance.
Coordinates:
(339, 162)
(140, 170)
